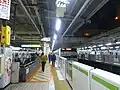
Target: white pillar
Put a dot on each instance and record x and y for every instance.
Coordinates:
(46, 48)
(59, 51)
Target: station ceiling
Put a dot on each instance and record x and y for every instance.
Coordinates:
(43, 15)
(104, 20)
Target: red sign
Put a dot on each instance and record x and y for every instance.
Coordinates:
(4, 1)
(68, 49)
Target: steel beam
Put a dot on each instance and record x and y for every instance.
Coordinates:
(25, 32)
(48, 14)
(21, 15)
(27, 40)
(53, 12)
(35, 4)
(69, 19)
(30, 41)
(45, 10)
(77, 15)
(93, 12)
(27, 13)
(19, 37)
(70, 12)
(39, 19)
(29, 37)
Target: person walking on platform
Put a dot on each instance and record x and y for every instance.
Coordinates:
(49, 57)
(43, 61)
(53, 58)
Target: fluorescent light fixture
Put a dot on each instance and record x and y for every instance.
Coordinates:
(98, 49)
(89, 47)
(58, 24)
(15, 48)
(111, 47)
(34, 46)
(100, 45)
(47, 39)
(109, 44)
(103, 47)
(94, 46)
(92, 52)
(55, 37)
(117, 47)
(117, 42)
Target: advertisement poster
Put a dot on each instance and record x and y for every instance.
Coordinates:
(5, 9)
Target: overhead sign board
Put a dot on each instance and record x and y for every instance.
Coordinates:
(61, 8)
(5, 9)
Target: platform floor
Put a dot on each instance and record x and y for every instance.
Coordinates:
(48, 80)
(29, 86)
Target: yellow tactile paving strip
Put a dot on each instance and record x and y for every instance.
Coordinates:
(40, 76)
(59, 84)
(31, 76)
(49, 74)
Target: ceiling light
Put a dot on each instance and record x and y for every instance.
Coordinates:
(15, 48)
(98, 49)
(117, 47)
(55, 37)
(68, 49)
(103, 47)
(100, 45)
(58, 24)
(111, 47)
(117, 18)
(94, 46)
(35, 46)
(89, 47)
(45, 39)
(117, 42)
(86, 34)
(109, 44)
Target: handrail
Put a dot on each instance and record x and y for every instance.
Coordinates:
(61, 57)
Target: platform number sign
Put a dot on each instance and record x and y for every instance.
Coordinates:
(5, 9)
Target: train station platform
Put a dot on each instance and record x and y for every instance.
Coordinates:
(51, 79)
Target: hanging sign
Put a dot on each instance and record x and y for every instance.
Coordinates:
(5, 9)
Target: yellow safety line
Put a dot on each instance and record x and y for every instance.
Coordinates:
(32, 77)
(33, 74)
